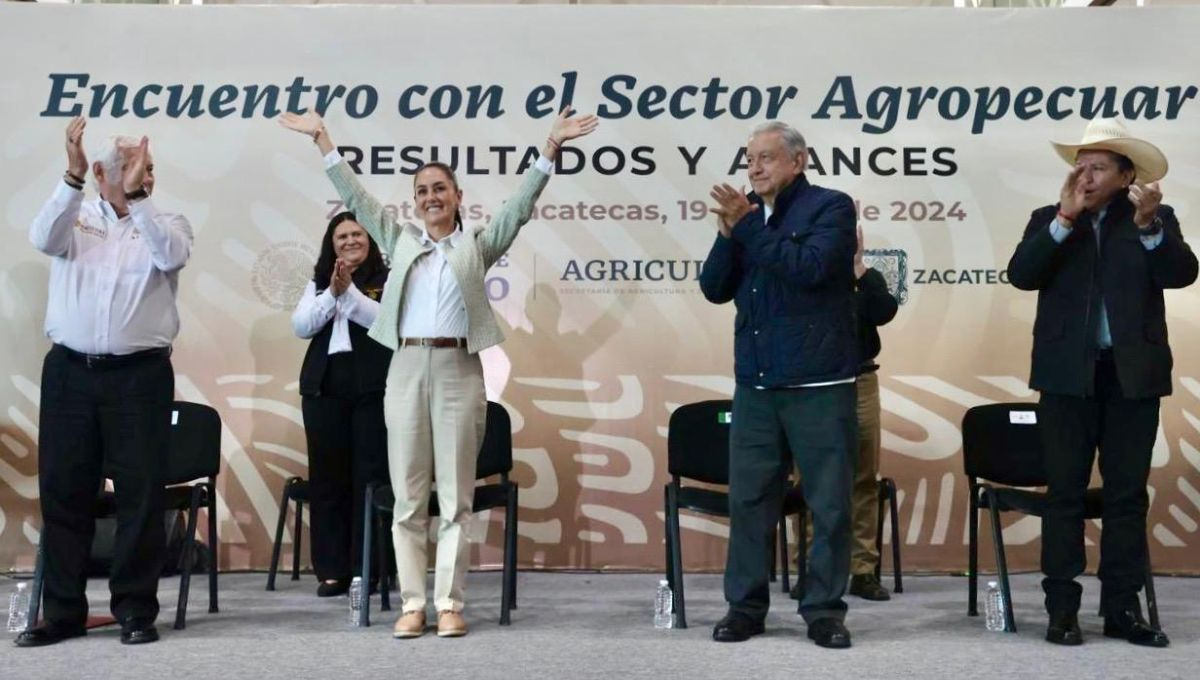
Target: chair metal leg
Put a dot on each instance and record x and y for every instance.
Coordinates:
(35, 595)
(277, 546)
(973, 552)
(364, 614)
(1010, 624)
(893, 506)
(669, 563)
(512, 586)
(214, 545)
(880, 502)
(677, 558)
(385, 596)
(189, 550)
(510, 554)
(298, 540)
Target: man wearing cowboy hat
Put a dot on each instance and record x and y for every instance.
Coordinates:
(1100, 260)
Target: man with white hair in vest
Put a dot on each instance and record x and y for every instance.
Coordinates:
(107, 382)
(1100, 259)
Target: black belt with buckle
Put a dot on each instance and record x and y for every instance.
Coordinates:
(115, 360)
(436, 343)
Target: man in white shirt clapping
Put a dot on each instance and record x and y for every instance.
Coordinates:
(107, 382)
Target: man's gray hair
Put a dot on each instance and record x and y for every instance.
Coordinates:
(791, 136)
(108, 155)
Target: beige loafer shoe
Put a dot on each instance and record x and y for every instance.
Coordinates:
(409, 625)
(451, 624)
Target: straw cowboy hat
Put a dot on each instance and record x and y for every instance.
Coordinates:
(1108, 134)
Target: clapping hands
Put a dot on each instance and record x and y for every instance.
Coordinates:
(732, 206)
(339, 281)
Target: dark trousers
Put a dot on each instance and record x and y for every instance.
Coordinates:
(814, 428)
(103, 422)
(1124, 431)
(347, 449)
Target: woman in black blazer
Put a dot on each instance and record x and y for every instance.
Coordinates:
(341, 387)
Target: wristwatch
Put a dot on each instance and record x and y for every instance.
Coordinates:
(136, 195)
(1154, 229)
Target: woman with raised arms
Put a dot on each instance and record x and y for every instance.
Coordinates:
(435, 317)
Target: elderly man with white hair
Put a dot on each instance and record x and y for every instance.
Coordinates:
(107, 381)
(1099, 260)
(784, 255)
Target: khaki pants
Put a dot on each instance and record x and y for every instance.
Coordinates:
(434, 408)
(864, 496)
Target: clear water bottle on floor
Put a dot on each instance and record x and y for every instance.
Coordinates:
(664, 606)
(18, 608)
(993, 608)
(357, 599)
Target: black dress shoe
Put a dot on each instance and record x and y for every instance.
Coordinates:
(138, 632)
(736, 627)
(829, 633)
(1064, 630)
(1129, 625)
(49, 633)
(868, 587)
(797, 591)
(328, 589)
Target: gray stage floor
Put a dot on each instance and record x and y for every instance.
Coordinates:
(585, 625)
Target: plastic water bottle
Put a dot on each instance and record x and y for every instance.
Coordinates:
(18, 608)
(664, 606)
(356, 600)
(993, 608)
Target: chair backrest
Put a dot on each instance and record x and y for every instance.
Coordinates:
(495, 454)
(1002, 443)
(698, 441)
(194, 448)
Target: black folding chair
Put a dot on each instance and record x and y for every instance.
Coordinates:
(295, 489)
(495, 459)
(698, 450)
(1002, 445)
(793, 504)
(193, 452)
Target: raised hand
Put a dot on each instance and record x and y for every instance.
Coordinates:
(1145, 199)
(308, 123)
(732, 206)
(77, 163)
(135, 166)
(566, 128)
(1070, 197)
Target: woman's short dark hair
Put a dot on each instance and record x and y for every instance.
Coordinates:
(323, 270)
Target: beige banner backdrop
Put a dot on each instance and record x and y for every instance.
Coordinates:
(935, 121)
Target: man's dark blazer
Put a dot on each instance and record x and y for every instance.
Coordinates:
(1071, 278)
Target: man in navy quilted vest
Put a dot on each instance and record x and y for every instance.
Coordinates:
(785, 256)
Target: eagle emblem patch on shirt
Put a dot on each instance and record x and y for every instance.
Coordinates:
(89, 229)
